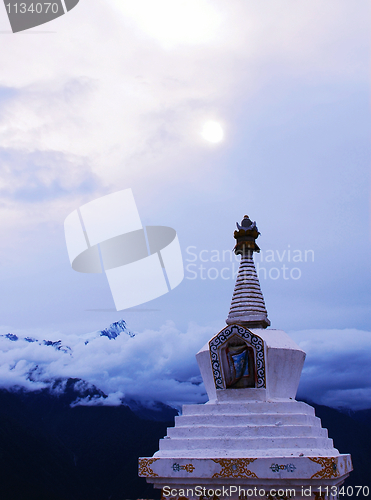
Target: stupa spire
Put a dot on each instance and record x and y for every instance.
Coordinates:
(248, 306)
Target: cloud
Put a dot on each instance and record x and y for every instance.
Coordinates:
(336, 371)
(43, 175)
(160, 365)
(130, 107)
(174, 22)
(153, 365)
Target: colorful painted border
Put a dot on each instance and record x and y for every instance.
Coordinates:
(254, 340)
(305, 468)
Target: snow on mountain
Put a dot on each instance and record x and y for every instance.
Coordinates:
(111, 332)
(57, 345)
(115, 329)
(11, 337)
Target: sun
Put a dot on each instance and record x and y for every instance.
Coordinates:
(212, 131)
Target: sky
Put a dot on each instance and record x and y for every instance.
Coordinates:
(115, 95)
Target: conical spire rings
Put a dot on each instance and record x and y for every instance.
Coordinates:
(248, 306)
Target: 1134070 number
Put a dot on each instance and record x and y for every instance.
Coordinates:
(37, 8)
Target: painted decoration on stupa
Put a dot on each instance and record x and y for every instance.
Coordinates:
(237, 358)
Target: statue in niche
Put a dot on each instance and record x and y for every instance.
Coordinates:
(238, 364)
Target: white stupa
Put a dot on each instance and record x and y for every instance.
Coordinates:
(251, 439)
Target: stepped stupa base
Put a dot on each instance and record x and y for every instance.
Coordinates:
(271, 446)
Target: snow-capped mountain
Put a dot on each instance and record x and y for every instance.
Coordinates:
(35, 364)
(115, 329)
(112, 332)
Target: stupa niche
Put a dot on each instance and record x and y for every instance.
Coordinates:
(252, 438)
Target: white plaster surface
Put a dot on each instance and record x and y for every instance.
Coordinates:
(204, 364)
(283, 364)
(269, 445)
(247, 302)
(243, 430)
(268, 439)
